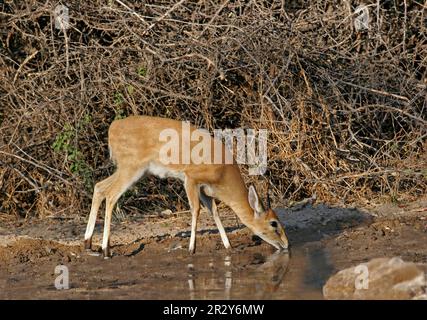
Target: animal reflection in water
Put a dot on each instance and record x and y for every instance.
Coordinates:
(258, 275)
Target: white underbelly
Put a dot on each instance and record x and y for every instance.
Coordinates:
(208, 190)
(164, 172)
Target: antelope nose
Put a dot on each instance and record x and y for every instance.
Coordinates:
(284, 242)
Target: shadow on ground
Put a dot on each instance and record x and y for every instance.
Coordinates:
(312, 223)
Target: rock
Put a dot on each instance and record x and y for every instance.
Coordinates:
(380, 278)
(166, 212)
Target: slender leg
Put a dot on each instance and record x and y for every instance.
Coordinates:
(125, 178)
(98, 197)
(210, 204)
(107, 223)
(193, 198)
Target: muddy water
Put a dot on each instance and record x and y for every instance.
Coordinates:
(299, 274)
(294, 275)
(247, 274)
(324, 241)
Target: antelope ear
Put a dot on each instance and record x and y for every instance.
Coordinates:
(254, 202)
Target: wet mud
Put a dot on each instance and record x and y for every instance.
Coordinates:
(151, 261)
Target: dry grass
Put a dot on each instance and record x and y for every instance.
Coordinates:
(346, 110)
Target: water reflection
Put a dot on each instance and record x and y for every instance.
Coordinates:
(230, 277)
(319, 268)
(276, 266)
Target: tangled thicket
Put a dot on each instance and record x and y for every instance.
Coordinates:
(346, 108)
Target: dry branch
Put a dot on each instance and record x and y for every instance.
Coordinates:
(346, 109)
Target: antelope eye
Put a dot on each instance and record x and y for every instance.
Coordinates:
(273, 224)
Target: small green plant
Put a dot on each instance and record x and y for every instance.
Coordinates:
(393, 198)
(118, 98)
(120, 114)
(118, 101)
(65, 143)
(142, 71)
(62, 141)
(130, 89)
(87, 118)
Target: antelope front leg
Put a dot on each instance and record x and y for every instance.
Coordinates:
(193, 198)
(210, 204)
(222, 232)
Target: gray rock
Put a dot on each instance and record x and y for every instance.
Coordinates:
(380, 278)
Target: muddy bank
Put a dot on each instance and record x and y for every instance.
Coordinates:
(151, 261)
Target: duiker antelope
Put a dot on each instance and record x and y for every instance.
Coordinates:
(135, 147)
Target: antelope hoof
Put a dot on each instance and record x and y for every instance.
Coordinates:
(106, 254)
(88, 244)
